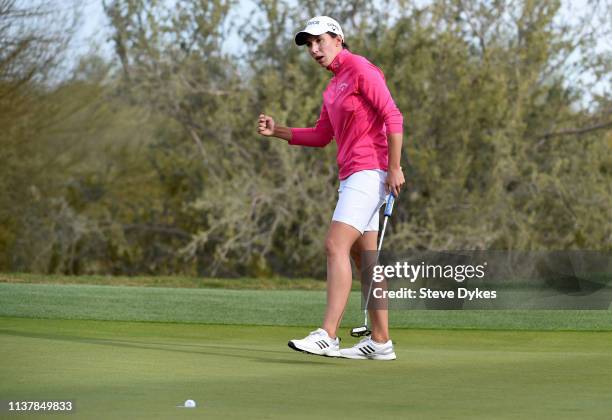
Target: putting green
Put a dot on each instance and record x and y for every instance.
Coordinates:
(117, 369)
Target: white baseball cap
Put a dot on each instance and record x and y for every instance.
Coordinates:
(318, 25)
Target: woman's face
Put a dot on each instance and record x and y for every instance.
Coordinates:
(323, 48)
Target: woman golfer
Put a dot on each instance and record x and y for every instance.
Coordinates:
(360, 114)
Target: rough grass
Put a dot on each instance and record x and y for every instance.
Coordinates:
(258, 307)
(170, 281)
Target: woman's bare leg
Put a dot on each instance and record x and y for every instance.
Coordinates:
(379, 318)
(338, 244)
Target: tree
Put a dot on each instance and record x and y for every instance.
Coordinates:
(31, 42)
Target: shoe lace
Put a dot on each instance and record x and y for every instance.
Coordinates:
(321, 334)
(364, 339)
(315, 332)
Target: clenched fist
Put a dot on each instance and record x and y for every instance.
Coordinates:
(266, 125)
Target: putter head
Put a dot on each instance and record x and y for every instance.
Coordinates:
(360, 331)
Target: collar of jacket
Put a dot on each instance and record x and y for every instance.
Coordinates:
(335, 65)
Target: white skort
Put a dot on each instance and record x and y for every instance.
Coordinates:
(361, 196)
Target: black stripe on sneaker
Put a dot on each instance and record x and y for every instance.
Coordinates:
(369, 347)
(325, 344)
(362, 349)
(318, 343)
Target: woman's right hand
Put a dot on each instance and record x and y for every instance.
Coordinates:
(266, 125)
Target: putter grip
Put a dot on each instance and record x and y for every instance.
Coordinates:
(389, 206)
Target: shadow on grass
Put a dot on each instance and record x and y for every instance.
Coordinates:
(163, 347)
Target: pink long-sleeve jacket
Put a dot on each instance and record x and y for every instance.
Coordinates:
(358, 111)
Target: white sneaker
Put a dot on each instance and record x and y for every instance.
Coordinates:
(317, 342)
(370, 349)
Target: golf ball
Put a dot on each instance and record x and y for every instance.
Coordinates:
(190, 403)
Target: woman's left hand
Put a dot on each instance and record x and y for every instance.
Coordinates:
(395, 180)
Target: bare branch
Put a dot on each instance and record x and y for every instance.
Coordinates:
(168, 230)
(576, 131)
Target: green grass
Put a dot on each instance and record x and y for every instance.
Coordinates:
(169, 281)
(227, 350)
(143, 370)
(257, 307)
